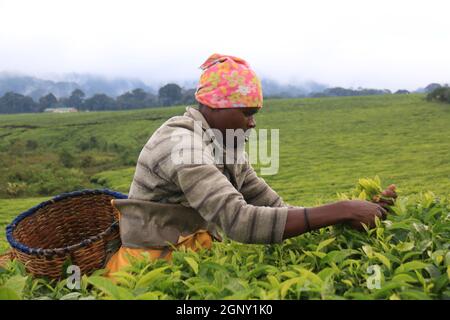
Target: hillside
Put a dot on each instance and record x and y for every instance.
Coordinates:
(325, 145)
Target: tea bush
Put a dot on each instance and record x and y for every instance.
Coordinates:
(406, 256)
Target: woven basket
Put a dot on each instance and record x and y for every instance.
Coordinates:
(78, 228)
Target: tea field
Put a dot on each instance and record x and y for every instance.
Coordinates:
(326, 146)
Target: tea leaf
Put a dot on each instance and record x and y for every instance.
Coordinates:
(286, 285)
(8, 294)
(383, 259)
(109, 288)
(150, 276)
(325, 243)
(409, 266)
(405, 246)
(192, 263)
(16, 284)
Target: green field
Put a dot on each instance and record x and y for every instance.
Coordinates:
(326, 145)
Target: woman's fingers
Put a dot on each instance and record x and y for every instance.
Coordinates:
(383, 211)
(388, 202)
(389, 193)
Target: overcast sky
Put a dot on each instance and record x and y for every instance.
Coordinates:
(381, 44)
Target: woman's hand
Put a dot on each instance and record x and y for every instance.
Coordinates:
(387, 197)
(361, 211)
(351, 212)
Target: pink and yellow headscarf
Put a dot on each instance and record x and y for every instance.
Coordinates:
(228, 82)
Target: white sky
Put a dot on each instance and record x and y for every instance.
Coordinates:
(381, 44)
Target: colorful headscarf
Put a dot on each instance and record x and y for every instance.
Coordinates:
(228, 82)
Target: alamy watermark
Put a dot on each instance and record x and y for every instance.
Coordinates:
(73, 282)
(374, 280)
(211, 147)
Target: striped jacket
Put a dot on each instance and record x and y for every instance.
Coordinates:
(228, 196)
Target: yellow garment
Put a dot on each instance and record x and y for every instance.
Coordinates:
(200, 239)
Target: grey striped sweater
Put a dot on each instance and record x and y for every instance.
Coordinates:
(230, 196)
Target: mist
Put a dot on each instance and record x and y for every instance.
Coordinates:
(383, 44)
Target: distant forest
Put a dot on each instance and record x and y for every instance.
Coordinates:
(168, 95)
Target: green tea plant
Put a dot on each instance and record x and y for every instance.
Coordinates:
(406, 256)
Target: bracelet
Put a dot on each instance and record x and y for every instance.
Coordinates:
(307, 220)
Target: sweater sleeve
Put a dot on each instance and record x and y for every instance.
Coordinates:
(257, 192)
(209, 192)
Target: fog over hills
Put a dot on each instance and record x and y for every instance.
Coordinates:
(89, 84)
(62, 85)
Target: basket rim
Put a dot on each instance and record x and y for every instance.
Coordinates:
(63, 250)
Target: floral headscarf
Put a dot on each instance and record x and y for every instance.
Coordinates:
(228, 82)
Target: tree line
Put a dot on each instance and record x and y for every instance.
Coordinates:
(168, 95)
(440, 94)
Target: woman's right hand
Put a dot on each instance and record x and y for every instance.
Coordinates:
(352, 212)
(361, 211)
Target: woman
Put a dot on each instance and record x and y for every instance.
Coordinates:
(182, 203)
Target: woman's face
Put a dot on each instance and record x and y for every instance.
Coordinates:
(238, 118)
(234, 119)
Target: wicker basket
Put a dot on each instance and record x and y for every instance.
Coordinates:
(78, 228)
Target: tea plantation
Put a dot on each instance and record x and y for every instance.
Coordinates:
(326, 146)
